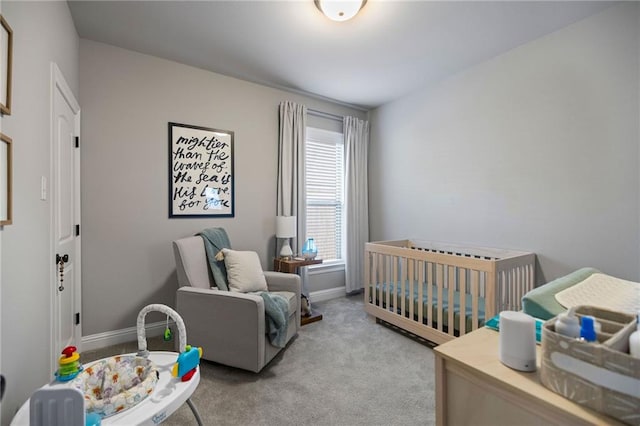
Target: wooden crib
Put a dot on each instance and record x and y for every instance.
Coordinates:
(409, 283)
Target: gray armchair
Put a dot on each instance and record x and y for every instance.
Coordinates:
(230, 327)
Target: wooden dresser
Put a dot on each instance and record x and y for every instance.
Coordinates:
(474, 388)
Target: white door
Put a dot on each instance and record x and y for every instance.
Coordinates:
(65, 216)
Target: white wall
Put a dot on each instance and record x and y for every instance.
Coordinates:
(43, 32)
(127, 100)
(536, 149)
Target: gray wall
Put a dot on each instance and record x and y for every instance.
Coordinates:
(43, 32)
(127, 99)
(536, 149)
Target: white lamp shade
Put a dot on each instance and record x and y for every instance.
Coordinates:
(285, 226)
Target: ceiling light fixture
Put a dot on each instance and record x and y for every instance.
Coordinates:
(340, 10)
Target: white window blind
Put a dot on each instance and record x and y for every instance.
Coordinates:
(324, 178)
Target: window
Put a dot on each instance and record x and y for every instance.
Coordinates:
(324, 162)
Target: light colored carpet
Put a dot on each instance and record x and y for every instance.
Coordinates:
(343, 370)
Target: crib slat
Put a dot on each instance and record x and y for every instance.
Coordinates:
(490, 295)
(367, 276)
(462, 277)
(509, 285)
(388, 262)
(511, 282)
(411, 267)
(523, 285)
(519, 283)
(384, 272)
(506, 284)
(530, 278)
(379, 265)
(429, 294)
(395, 283)
(375, 278)
(523, 290)
(404, 284)
(506, 289)
(475, 295)
(518, 288)
(514, 290)
(451, 300)
(439, 284)
(513, 294)
(421, 266)
(382, 266)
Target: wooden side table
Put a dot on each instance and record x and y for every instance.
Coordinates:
(290, 266)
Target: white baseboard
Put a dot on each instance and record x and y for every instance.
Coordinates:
(115, 337)
(328, 294)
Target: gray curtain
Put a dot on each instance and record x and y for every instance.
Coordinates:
(356, 137)
(291, 196)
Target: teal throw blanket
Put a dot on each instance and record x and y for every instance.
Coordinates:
(215, 239)
(276, 309)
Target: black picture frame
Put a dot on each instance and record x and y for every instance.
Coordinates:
(201, 172)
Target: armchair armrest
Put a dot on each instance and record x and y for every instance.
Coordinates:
(237, 319)
(279, 281)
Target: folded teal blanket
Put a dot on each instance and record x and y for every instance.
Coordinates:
(215, 239)
(494, 324)
(276, 309)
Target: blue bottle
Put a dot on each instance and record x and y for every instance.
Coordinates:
(588, 329)
(309, 250)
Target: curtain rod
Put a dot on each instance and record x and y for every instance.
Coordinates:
(325, 115)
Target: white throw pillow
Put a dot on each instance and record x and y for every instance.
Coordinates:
(244, 271)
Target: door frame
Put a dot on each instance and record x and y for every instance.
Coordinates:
(58, 83)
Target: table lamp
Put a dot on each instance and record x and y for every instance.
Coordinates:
(285, 229)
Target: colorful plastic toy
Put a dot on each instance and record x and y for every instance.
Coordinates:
(154, 405)
(168, 335)
(187, 362)
(69, 364)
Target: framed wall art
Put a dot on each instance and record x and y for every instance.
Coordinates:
(6, 61)
(201, 181)
(6, 158)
